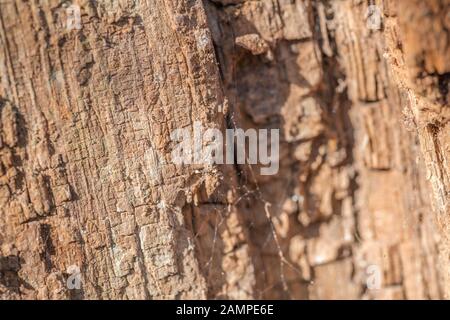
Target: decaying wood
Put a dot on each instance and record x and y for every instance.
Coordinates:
(86, 177)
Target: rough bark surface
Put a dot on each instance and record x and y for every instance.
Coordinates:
(87, 181)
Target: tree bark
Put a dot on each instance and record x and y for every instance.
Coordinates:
(87, 182)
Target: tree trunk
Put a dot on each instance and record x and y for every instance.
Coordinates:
(92, 205)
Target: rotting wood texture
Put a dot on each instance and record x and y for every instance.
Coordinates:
(86, 177)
